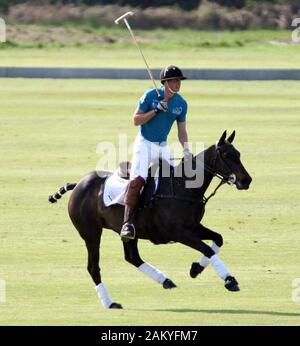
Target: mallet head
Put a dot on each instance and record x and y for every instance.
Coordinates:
(130, 13)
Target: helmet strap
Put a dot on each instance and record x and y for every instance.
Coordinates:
(169, 88)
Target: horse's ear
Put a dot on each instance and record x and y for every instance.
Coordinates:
(222, 139)
(231, 137)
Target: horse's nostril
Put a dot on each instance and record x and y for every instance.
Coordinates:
(246, 181)
(243, 184)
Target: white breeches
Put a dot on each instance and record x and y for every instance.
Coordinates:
(146, 153)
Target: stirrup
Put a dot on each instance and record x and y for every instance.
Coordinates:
(127, 231)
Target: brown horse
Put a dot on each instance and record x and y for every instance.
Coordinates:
(171, 214)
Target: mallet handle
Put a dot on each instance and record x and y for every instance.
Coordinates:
(147, 66)
(123, 17)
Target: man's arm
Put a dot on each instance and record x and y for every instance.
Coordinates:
(140, 118)
(182, 134)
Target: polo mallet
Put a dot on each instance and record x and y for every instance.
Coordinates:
(123, 17)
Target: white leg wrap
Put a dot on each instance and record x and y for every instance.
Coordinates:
(219, 267)
(215, 248)
(103, 295)
(152, 272)
(204, 261)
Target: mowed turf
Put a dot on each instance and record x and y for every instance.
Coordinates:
(50, 130)
(88, 47)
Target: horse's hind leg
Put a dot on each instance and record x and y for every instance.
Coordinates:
(206, 234)
(87, 219)
(132, 256)
(93, 248)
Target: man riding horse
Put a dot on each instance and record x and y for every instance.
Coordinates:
(176, 210)
(155, 116)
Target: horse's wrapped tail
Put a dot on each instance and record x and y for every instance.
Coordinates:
(68, 187)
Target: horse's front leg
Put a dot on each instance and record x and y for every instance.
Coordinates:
(193, 240)
(132, 256)
(205, 234)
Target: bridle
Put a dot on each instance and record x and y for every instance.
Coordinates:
(224, 179)
(229, 179)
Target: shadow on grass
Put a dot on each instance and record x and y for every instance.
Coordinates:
(226, 311)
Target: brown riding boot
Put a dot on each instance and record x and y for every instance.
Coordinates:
(131, 200)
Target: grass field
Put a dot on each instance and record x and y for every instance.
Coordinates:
(33, 45)
(49, 133)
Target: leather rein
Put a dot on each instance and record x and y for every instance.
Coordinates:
(224, 179)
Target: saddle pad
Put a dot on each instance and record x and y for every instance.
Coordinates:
(114, 190)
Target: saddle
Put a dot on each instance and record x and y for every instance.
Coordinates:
(116, 184)
(114, 192)
(124, 170)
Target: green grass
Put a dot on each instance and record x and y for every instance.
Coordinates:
(49, 133)
(88, 47)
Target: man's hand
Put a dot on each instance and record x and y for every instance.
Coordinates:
(161, 106)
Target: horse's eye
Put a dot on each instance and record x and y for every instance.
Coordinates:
(225, 154)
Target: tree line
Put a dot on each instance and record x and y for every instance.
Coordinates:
(182, 4)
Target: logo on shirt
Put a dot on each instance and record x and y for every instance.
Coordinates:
(177, 110)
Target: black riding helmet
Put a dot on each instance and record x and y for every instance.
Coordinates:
(171, 72)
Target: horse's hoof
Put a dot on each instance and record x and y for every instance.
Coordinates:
(168, 284)
(115, 306)
(231, 284)
(196, 269)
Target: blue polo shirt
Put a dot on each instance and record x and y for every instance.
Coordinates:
(158, 128)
